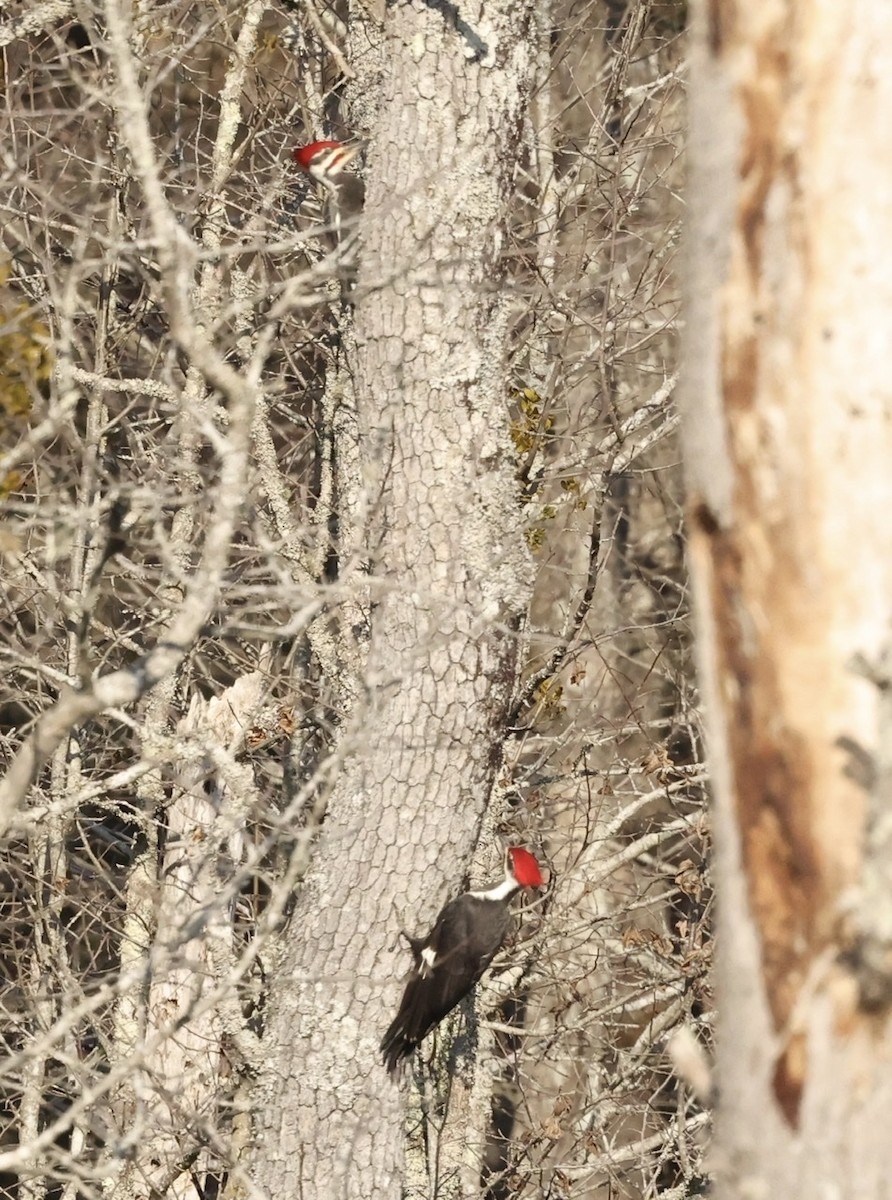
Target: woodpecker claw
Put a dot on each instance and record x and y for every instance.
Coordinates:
(416, 945)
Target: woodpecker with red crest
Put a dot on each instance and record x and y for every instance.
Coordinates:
(343, 193)
(465, 938)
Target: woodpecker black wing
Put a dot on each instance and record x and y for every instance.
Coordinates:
(448, 963)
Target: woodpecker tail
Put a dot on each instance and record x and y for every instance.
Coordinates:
(395, 1046)
(418, 1013)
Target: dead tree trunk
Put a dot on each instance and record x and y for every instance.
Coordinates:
(788, 451)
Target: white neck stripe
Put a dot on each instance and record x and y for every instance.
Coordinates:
(501, 891)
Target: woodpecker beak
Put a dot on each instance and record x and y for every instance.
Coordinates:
(349, 151)
(331, 160)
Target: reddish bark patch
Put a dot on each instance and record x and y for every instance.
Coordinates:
(789, 1076)
(771, 770)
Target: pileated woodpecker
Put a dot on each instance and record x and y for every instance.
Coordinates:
(343, 192)
(448, 962)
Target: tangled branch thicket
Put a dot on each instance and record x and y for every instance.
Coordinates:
(184, 617)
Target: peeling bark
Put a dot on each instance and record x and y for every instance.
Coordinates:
(788, 439)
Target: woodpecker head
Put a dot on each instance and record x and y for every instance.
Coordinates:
(521, 866)
(323, 161)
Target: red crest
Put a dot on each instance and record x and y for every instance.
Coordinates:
(524, 867)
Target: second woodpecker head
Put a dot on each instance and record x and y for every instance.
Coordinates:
(324, 161)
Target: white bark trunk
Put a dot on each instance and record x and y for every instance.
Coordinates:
(179, 1093)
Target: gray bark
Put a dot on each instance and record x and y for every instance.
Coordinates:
(450, 581)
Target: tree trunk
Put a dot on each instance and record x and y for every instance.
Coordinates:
(450, 581)
(788, 445)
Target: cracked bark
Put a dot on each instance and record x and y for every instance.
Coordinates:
(450, 580)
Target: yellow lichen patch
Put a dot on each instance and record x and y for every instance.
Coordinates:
(572, 487)
(25, 365)
(529, 426)
(548, 697)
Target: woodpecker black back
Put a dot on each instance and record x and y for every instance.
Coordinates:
(465, 938)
